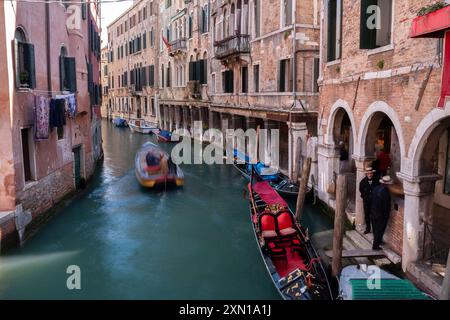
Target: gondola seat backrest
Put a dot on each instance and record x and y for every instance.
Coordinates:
(268, 225)
(285, 223)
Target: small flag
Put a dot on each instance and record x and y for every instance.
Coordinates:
(166, 42)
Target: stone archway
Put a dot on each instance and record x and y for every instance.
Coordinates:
(381, 145)
(426, 177)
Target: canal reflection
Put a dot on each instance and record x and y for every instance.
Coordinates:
(131, 243)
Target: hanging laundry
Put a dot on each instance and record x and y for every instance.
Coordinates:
(57, 113)
(41, 117)
(71, 105)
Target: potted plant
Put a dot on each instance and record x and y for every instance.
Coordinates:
(24, 78)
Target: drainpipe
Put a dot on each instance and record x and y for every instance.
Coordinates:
(294, 82)
(47, 46)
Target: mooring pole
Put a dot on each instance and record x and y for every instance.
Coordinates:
(303, 187)
(445, 295)
(338, 235)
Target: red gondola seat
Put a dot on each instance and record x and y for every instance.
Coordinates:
(268, 226)
(286, 224)
(277, 253)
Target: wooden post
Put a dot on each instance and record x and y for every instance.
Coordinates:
(303, 187)
(445, 295)
(338, 235)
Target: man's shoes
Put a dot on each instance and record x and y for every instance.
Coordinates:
(376, 248)
(367, 231)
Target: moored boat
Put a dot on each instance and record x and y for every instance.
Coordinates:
(154, 167)
(362, 282)
(141, 126)
(120, 122)
(280, 182)
(289, 256)
(165, 136)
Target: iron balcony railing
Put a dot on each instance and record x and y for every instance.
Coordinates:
(177, 46)
(234, 45)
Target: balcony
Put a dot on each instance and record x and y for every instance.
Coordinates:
(135, 90)
(234, 45)
(177, 46)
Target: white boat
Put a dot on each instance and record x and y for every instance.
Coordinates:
(141, 126)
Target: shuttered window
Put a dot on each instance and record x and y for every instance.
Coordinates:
(244, 79)
(68, 76)
(25, 65)
(190, 27)
(144, 40)
(285, 76)
(152, 76)
(334, 30)
(228, 81)
(256, 77)
(198, 71)
(375, 25)
(316, 74)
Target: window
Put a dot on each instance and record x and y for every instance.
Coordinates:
(204, 23)
(257, 16)
(198, 71)
(28, 154)
(168, 3)
(151, 76)
(162, 76)
(152, 106)
(190, 27)
(244, 79)
(24, 61)
(376, 21)
(228, 81)
(67, 72)
(256, 77)
(152, 39)
(287, 12)
(168, 78)
(213, 84)
(316, 75)
(144, 40)
(145, 106)
(334, 30)
(285, 76)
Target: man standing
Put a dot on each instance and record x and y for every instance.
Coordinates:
(381, 209)
(366, 187)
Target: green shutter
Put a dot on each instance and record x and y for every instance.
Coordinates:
(30, 64)
(61, 73)
(16, 45)
(70, 73)
(368, 37)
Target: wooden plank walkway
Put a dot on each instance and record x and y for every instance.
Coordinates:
(358, 253)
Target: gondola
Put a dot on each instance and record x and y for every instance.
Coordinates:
(290, 258)
(280, 182)
(120, 122)
(165, 136)
(155, 168)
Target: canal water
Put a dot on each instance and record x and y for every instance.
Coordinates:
(131, 243)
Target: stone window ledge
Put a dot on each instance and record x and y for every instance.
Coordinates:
(387, 48)
(333, 63)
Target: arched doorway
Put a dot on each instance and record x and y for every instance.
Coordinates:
(433, 160)
(343, 138)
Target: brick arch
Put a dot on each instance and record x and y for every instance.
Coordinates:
(420, 139)
(337, 106)
(375, 107)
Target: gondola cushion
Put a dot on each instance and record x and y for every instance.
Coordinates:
(269, 234)
(268, 223)
(287, 231)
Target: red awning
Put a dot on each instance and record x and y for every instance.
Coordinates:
(432, 25)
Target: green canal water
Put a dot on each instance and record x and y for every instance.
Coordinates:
(131, 243)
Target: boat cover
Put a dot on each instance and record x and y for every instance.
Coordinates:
(268, 195)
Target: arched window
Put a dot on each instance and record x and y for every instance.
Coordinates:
(24, 60)
(67, 72)
(225, 24)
